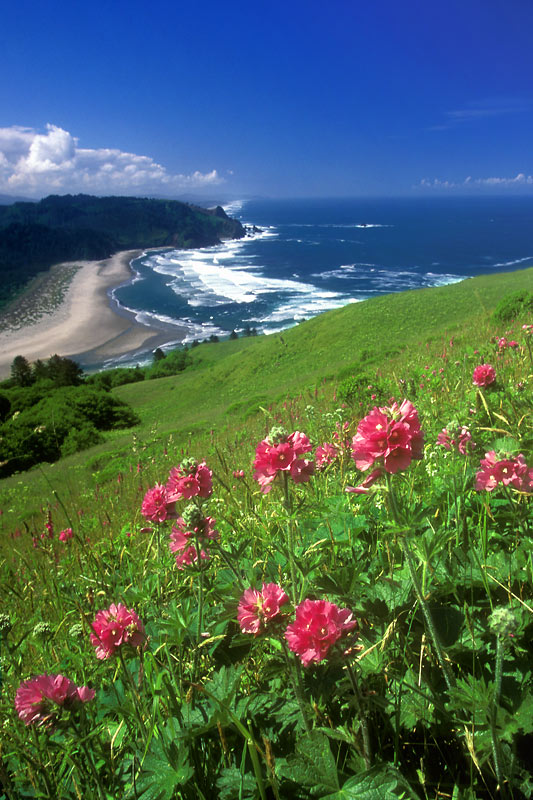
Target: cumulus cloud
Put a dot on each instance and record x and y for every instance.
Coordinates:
(36, 164)
(519, 180)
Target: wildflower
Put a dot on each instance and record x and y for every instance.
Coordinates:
(319, 624)
(189, 535)
(39, 700)
(508, 471)
(65, 535)
(460, 438)
(389, 435)
(238, 473)
(256, 609)
(483, 375)
(280, 452)
(114, 627)
(325, 454)
(157, 505)
(189, 479)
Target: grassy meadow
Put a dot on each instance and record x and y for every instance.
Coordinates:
(353, 621)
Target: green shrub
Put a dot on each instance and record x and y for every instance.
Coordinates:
(80, 439)
(514, 305)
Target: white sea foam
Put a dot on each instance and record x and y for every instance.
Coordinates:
(200, 278)
(512, 263)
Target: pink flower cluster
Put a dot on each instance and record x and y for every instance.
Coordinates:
(115, 627)
(461, 438)
(504, 343)
(156, 505)
(258, 608)
(39, 700)
(508, 471)
(65, 535)
(186, 540)
(391, 436)
(280, 452)
(328, 452)
(483, 375)
(318, 625)
(189, 479)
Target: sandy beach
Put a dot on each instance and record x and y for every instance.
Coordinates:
(84, 321)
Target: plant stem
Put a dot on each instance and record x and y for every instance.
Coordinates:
(295, 677)
(496, 749)
(362, 711)
(290, 538)
(136, 695)
(441, 657)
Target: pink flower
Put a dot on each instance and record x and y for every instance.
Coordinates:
(190, 479)
(484, 375)
(391, 435)
(188, 537)
(157, 505)
(326, 454)
(256, 609)
(238, 473)
(318, 625)
(114, 627)
(462, 440)
(509, 472)
(279, 453)
(39, 700)
(65, 535)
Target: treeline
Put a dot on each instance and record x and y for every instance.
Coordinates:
(33, 236)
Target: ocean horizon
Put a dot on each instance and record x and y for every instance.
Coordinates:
(311, 256)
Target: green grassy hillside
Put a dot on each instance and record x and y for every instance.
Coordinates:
(229, 382)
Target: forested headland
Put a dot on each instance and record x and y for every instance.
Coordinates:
(34, 236)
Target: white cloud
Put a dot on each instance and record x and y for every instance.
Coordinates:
(36, 164)
(518, 181)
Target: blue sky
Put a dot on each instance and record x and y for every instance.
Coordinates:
(279, 98)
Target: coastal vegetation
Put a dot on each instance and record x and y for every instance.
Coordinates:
(305, 572)
(34, 236)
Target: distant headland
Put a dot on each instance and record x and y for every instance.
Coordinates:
(34, 236)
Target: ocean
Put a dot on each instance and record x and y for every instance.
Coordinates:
(310, 256)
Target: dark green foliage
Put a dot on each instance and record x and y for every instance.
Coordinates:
(110, 378)
(21, 371)
(214, 338)
(5, 406)
(513, 305)
(234, 335)
(158, 354)
(174, 362)
(62, 371)
(80, 439)
(59, 422)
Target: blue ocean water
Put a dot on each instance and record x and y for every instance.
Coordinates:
(314, 255)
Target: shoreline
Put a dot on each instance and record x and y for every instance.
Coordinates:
(85, 324)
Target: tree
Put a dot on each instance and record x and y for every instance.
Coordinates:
(21, 371)
(158, 355)
(64, 371)
(234, 335)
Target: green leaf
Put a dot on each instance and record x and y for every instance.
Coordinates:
(313, 764)
(379, 783)
(233, 784)
(162, 772)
